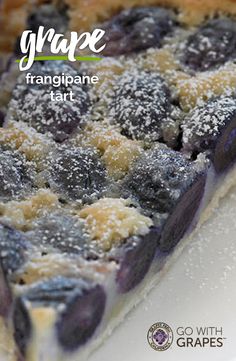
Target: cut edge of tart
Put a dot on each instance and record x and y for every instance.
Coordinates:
(156, 273)
(127, 301)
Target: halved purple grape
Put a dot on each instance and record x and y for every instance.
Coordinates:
(13, 247)
(84, 304)
(211, 45)
(159, 178)
(22, 325)
(63, 232)
(141, 103)
(181, 218)
(32, 103)
(77, 173)
(16, 175)
(169, 188)
(212, 128)
(5, 293)
(82, 316)
(137, 29)
(135, 258)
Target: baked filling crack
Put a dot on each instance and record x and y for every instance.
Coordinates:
(97, 194)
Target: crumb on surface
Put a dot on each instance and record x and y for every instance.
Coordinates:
(19, 214)
(111, 220)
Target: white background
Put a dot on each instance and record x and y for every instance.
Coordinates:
(198, 290)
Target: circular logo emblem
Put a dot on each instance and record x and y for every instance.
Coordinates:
(160, 336)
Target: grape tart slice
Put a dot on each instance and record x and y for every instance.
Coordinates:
(99, 195)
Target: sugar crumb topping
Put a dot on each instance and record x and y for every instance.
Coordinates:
(21, 214)
(109, 221)
(118, 152)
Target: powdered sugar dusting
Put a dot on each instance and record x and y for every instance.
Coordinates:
(207, 121)
(141, 102)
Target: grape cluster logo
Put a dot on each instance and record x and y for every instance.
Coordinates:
(160, 336)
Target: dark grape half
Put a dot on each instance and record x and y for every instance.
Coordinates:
(77, 173)
(32, 103)
(16, 175)
(212, 128)
(22, 325)
(83, 304)
(140, 105)
(180, 219)
(82, 315)
(135, 258)
(211, 45)
(137, 29)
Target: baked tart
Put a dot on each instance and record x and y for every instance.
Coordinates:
(99, 195)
